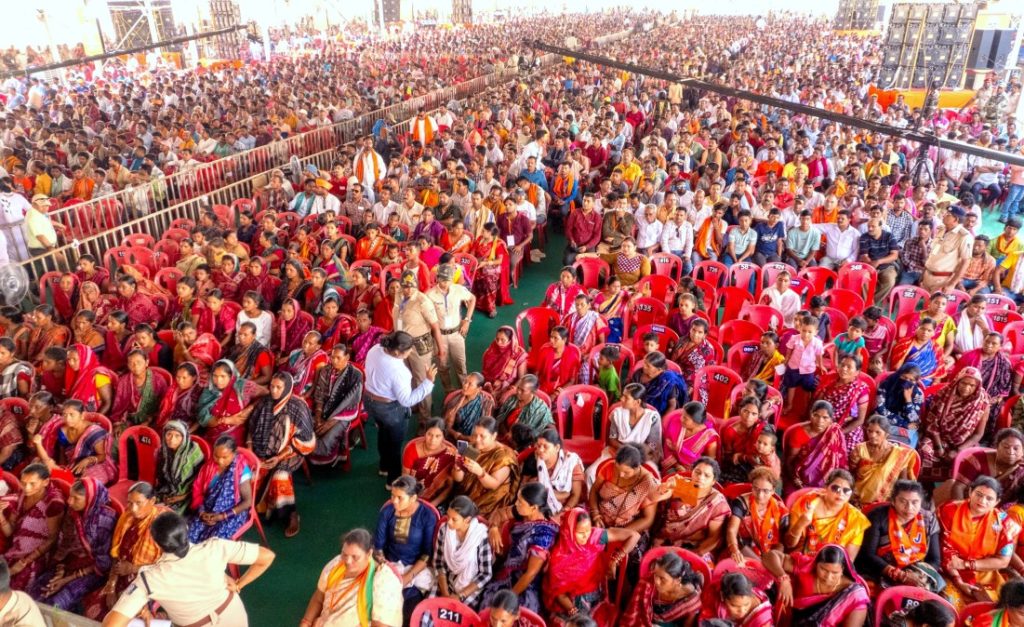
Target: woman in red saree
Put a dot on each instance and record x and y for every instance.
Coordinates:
(740, 603)
(367, 335)
(227, 277)
(491, 283)
(739, 441)
(292, 326)
(942, 438)
(225, 317)
(87, 381)
(189, 307)
(978, 541)
(813, 449)
(117, 341)
(31, 526)
(137, 399)
(823, 590)
(430, 460)
(363, 294)
(456, 240)
(295, 282)
(258, 280)
(579, 565)
(504, 362)
(849, 397)
(91, 298)
(181, 401)
(224, 406)
(559, 363)
(332, 326)
(65, 297)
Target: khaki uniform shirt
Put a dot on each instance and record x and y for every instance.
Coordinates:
(950, 250)
(415, 315)
(449, 306)
(191, 587)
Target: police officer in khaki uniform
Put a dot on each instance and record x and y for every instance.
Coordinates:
(449, 298)
(188, 580)
(416, 315)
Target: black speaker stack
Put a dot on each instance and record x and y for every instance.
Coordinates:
(857, 15)
(392, 11)
(462, 11)
(927, 42)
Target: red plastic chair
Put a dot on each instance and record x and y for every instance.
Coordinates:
(176, 235)
(661, 287)
(468, 264)
(846, 301)
(860, 278)
(974, 611)
(592, 272)
(645, 310)
(729, 302)
(904, 598)
(741, 274)
(735, 331)
(772, 393)
(821, 278)
(839, 321)
(1001, 319)
(668, 265)
(740, 353)
(999, 302)
(445, 612)
(666, 338)
(15, 407)
(792, 498)
(955, 299)
(968, 452)
(735, 490)
(805, 289)
(717, 382)
(540, 320)
(1013, 334)
(709, 291)
(581, 414)
(151, 259)
(714, 272)
(526, 618)
(183, 223)
(144, 240)
(764, 316)
(147, 443)
(48, 283)
(168, 278)
(115, 258)
(904, 299)
(770, 271)
(374, 267)
(203, 445)
(169, 248)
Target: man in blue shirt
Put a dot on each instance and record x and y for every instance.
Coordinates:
(771, 238)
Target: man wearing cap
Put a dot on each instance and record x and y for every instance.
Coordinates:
(415, 314)
(449, 298)
(950, 253)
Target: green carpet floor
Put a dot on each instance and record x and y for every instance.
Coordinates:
(339, 501)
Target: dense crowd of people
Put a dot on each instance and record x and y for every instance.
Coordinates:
(776, 382)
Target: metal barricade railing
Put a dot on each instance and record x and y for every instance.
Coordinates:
(103, 224)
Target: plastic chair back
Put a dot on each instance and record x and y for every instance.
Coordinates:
(592, 272)
(770, 271)
(740, 354)
(644, 310)
(745, 275)
(540, 320)
(623, 364)
(717, 382)
(764, 316)
(445, 612)
(735, 331)
(668, 265)
(974, 611)
(729, 302)
(847, 301)
(714, 272)
(904, 299)
(666, 338)
(1000, 319)
(661, 287)
(860, 278)
(147, 443)
(999, 302)
(821, 278)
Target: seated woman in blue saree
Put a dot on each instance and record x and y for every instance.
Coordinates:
(665, 390)
(920, 350)
(222, 494)
(530, 538)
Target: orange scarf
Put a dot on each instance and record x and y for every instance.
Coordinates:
(423, 130)
(706, 237)
(910, 545)
(361, 166)
(970, 538)
(767, 528)
(563, 187)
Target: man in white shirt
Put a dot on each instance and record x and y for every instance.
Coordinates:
(842, 241)
(384, 207)
(677, 238)
(324, 201)
(649, 229)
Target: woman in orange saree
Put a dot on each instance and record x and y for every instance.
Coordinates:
(978, 541)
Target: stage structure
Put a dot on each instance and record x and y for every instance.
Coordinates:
(857, 15)
(927, 42)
